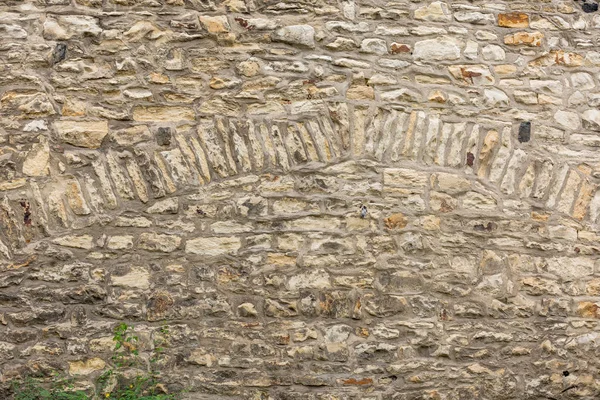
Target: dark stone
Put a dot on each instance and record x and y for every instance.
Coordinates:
(524, 132)
(163, 136)
(589, 7)
(60, 53)
(566, 373)
(470, 159)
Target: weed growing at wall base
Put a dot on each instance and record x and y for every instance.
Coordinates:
(127, 379)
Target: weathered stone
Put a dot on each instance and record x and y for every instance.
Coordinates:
(163, 114)
(87, 134)
(158, 242)
(213, 246)
(216, 24)
(37, 160)
(303, 35)
(436, 50)
(591, 119)
(135, 278)
(533, 39)
(513, 20)
(436, 11)
(65, 27)
(85, 242)
(86, 367)
(374, 46)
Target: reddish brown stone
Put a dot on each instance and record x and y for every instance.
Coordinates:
(398, 48)
(362, 382)
(513, 20)
(395, 221)
(587, 309)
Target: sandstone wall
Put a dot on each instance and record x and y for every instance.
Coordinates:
(203, 165)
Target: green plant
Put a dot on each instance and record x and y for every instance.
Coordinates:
(129, 377)
(116, 384)
(59, 389)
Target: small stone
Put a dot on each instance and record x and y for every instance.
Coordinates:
(303, 35)
(163, 136)
(589, 6)
(248, 68)
(524, 132)
(59, 53)
(247, 310)
(513, 20)
(399, 48)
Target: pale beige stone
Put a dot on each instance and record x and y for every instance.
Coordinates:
(85, 242)
(135, 278)
(82, 133)
(86, 367)
(213, 246)
(37, 160)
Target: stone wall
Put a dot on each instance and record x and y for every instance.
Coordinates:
(320, 199)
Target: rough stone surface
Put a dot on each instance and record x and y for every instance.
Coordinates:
(320, 199)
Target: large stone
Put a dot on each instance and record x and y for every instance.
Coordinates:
(85, 242)
(439, 49)
(163, 114)
(65, 27)
(533, 39)
(157, 242)
(216, 24)
(374, 46)
(26, 104)
(136, 278)
(82, 133)
(37, 160)
(591, 119)
(86, 367)
(567, 119)
(436, 11)
(513, 20)
(213, 246)
(478, 74)
(303, 35)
